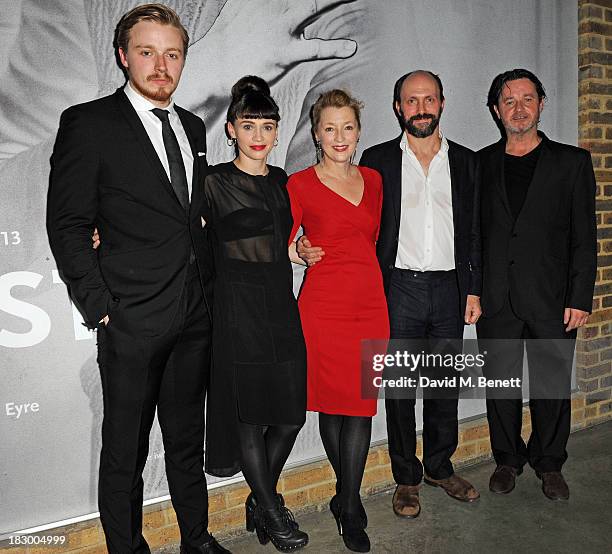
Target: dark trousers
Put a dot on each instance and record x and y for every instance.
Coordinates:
(140, 374)
(423, 306)
(550, 417)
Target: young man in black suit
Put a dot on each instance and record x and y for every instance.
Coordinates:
(539, 266)
(429, 253)
(131, 164)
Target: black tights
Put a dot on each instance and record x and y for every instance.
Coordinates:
(264, 452)
(346, 440)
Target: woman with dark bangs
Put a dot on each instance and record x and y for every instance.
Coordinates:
(257, 394)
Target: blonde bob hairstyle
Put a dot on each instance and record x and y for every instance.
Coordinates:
(336, 98)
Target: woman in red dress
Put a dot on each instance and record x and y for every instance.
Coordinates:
(342, 299)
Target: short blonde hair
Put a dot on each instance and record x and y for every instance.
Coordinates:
(336, 98)
(157, 13)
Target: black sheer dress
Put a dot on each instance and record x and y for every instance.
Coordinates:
(259, 357)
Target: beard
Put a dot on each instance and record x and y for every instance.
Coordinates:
(513, 130)
(421, 132)
(154, 92)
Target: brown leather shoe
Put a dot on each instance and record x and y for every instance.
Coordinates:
(406, 501)
(554, 485)
(456, 487)
(503, 479)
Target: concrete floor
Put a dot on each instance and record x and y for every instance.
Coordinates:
(523, 521)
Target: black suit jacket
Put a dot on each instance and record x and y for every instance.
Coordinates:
(105, 173)
(386, 158)
(547, 259)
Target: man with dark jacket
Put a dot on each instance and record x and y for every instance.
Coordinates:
(429, 254)
(130, 165)
(539, 265)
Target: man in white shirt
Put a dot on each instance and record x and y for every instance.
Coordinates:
(429, 253)
(128, 164)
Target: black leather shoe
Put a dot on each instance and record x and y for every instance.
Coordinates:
(335, 508)
(503, 479)
(350, 526)
(211, 546)
(249, 509)
(554, 485)
(274, 525)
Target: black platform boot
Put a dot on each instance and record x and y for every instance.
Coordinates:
(274, 525)
(249, 509)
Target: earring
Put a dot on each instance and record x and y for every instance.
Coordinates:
(319, 150)
(275, 142)
(231, 141)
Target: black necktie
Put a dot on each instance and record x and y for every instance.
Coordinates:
(178, 177)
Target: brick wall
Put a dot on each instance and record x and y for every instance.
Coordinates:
(594, 347)
(310, 487)
(305, 488)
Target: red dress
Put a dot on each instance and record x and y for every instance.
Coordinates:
(342, 300)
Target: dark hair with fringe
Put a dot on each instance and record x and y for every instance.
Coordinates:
(397, 89)
(157, 13)
(512, 75)
(251, 99)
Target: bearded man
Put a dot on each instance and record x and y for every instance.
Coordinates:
(429, 254)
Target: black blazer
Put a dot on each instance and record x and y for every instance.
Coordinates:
(386, 158)
(547, 259)
(105, 173)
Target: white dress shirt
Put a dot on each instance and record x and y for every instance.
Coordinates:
(153, 127)
(426, 233)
